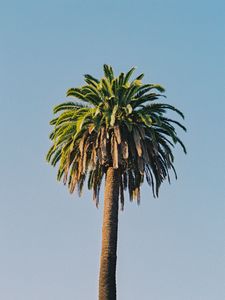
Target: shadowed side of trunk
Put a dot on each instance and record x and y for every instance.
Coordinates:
(107, 277)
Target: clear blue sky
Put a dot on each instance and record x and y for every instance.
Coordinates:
(169, 249)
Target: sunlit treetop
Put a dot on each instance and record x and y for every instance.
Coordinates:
(114, 122)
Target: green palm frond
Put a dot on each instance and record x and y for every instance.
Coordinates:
(67, 106)
(91, 80)
(108, 71)
(139, 77)
(128, 75)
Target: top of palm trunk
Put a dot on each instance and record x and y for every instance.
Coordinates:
(114, 122)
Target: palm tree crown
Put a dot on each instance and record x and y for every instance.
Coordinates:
(114, 123)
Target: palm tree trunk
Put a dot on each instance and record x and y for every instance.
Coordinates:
(107, 277)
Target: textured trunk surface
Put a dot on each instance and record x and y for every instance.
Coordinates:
(107, 277)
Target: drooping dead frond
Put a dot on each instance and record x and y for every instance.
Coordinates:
(125, 151)
(137, 140)
(117, 134)
(121, 193)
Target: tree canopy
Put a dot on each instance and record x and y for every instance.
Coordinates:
(114, 121)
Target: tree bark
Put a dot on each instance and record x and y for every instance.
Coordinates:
(107, 277)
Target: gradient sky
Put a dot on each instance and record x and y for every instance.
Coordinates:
(171, 248)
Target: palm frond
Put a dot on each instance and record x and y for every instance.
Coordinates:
(128, 75)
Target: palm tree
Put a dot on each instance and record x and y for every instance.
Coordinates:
(113, 129)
